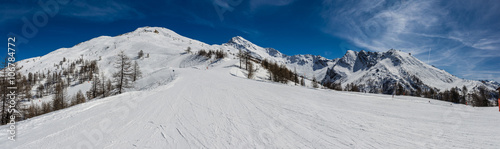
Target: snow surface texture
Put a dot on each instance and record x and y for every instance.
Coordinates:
(213, 109)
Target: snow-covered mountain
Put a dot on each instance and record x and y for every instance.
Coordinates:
(380, 71)
(375, 70)
(165, 47)
(307, 65)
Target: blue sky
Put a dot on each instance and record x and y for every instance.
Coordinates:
(460, 36)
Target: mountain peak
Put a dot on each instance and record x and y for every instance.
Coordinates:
(350, 55)
(241, 43)
(150, 29)
(158, 30)
(239, 40)
(393, 51)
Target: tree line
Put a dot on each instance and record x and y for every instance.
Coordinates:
(276, 72)
(478, 97)
(219, 54)
(55, 84)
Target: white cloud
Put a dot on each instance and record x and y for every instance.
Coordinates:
(488, 43)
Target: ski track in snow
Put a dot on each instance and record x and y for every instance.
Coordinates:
(214, 109)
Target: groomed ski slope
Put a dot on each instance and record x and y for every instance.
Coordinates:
(214, 109)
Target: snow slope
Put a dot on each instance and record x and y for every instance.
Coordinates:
(213, 109)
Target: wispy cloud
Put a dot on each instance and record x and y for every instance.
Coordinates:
(96, 11)
(456, 31)
(482, 75)
(224, 4)
(254, 4)
(13, 11)
(101, 11)
(491, 43)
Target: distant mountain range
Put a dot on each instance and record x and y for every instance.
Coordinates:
(380, 71)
